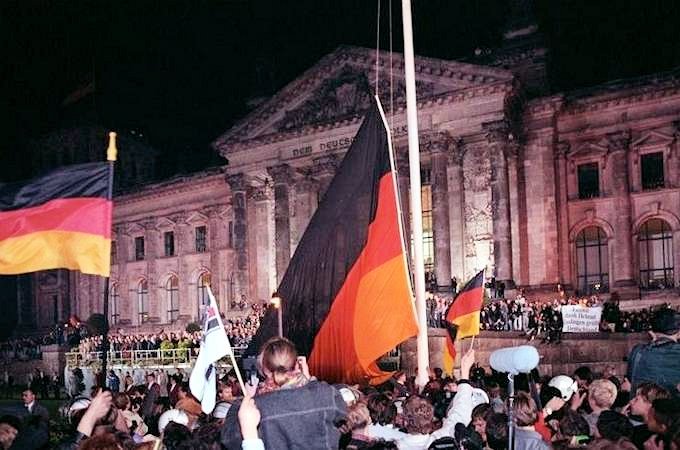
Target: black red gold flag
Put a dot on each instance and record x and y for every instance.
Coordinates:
(61, 220)
(462, 317)
(346, 295)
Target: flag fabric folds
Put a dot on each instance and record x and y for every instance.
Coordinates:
(462, 317)
(346, 295)
(59, 220)
(214, 346)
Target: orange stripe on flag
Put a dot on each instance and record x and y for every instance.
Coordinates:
(45, 250)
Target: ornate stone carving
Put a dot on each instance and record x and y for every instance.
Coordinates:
(437, 143)
(496, 132)
(324, 165)
(619, 141)
(456, 151)
(477, 173)
(262, 193)
(281, 174)
(562, 149)
(237, 182)
(346, 95)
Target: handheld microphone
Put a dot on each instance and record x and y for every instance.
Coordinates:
(514, 360)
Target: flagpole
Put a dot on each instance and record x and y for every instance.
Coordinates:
(111, 155)
(416, 203)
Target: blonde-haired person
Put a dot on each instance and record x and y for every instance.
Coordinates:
(281, 366)
(601, 396)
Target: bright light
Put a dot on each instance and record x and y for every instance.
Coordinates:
(276, 300)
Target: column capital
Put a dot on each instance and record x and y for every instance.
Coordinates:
(281, 174)
(236, 182)
(496, 132)
(512, 149)
(562, 149)
(457, 151)
(437, 143)
(324, 165)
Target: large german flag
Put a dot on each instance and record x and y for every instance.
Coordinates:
(346, 294)
(462, 317)
(59, 220)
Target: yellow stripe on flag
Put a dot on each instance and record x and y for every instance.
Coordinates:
(45, 250)
(468, 325)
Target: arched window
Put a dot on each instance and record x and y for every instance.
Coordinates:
(203, 299)
(172, 292)
(592, 261)
(143, 301)
(655, 250)
(114, 298)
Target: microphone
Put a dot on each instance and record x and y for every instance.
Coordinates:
(514, 360)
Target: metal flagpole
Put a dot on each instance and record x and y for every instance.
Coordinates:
(111, 154)
(416, 203)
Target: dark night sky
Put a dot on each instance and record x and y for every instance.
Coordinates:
(181, 71)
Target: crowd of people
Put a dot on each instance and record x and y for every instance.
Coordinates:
(240, 330)
(286, 407)
(543, 318)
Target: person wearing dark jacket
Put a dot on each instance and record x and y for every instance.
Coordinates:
(302, 417)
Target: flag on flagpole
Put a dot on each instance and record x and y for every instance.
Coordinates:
(462, 317)
(214, 346)
(346, 293)
(61, 220)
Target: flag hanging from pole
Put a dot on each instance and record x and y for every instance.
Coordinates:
(462, 317)
(346, 294)
(61, 220)
(214, 346)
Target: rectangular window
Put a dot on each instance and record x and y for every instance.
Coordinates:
(231, 234)
(428, 229)
(114, 253)
(139, 248)
(201, 234)
(652, 170)
(588, 181)
(169, 243)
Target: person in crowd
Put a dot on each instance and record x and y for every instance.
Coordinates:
(356, 425)
(663, 421)
(640, 407)
(33, 407)
(572, 431)
(496, 431)
(188, 403)
(173, 389)
(282, 367)
(153, 391)
(601, 396)
(614, 430)
(525, 413)
(480, 415)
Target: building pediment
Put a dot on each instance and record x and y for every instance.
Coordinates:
(340, 88)
(653, 139)
(589, 149)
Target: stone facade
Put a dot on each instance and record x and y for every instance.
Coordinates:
(504, 186)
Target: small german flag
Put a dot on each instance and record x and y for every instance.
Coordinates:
(61, 220)
(346, 292)
(462, 317)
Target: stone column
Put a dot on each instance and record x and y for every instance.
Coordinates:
(238, 185)
(282, 176)
(512, 154)
(157, 304)
(622, 262)
(439, 150)
(564, 251)
(323, 170)
(497, 138)
(403, 178)
(456, 199)
(304, 205)
(265, 250)
(218, 275)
